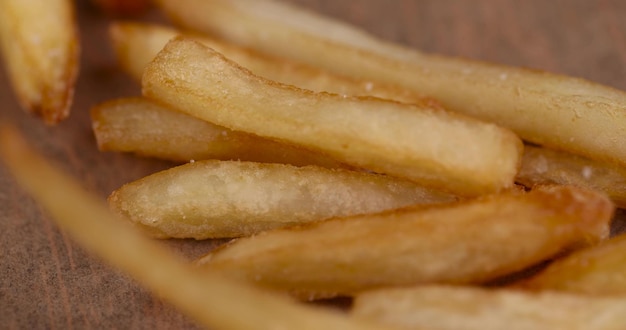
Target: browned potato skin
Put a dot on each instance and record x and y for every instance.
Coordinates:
(474, 308)
(598, 270)
(217, 199)
(40, 46)
(547, 109)
(149, 129)
(136, 44)
(467, 242)
(542, 166)
(429, 146)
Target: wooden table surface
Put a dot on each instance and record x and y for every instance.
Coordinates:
(47, 281)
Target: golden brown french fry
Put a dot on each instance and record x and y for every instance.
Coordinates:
(136, 44)
(599, 270)
(40, 47)
(544, 166)
(467, 308)
(144, 127)
(211, 299)
(429, 146)
(547, 109)
(215, 199)
(466, 242)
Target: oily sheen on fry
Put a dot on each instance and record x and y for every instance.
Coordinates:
(429, 146)
(214, 199)
(548, 109)
(473, 308)
(467, 242)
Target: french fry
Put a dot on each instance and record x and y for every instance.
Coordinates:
(544, 166)
(429, 146)
(546, 109)
(40, 47)
(146, 128)
(211, 299)
(467, 308)
(599, 270)
(467, 242)
(136, 44)
(215, 199)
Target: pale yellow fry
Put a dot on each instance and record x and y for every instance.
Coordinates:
(547, 109)
(429, 146)
(136, 44)
(467, 308)
(546, 166)
(465, 242)
(144, 127)
(211, 299)
(599, 270)
(40, 47)
(215, 199)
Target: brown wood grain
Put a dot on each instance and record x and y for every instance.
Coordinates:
(47, 281)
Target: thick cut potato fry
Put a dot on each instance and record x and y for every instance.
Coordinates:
(467, 308)
(426, 145)
(547, 109)
(544, 166)
(466, 242)
(40, 48)
(211, 299)
(136, 44)
(144, 127)
(599, 270)
(214, 199)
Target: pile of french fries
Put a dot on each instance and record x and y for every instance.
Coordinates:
(426, 188)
